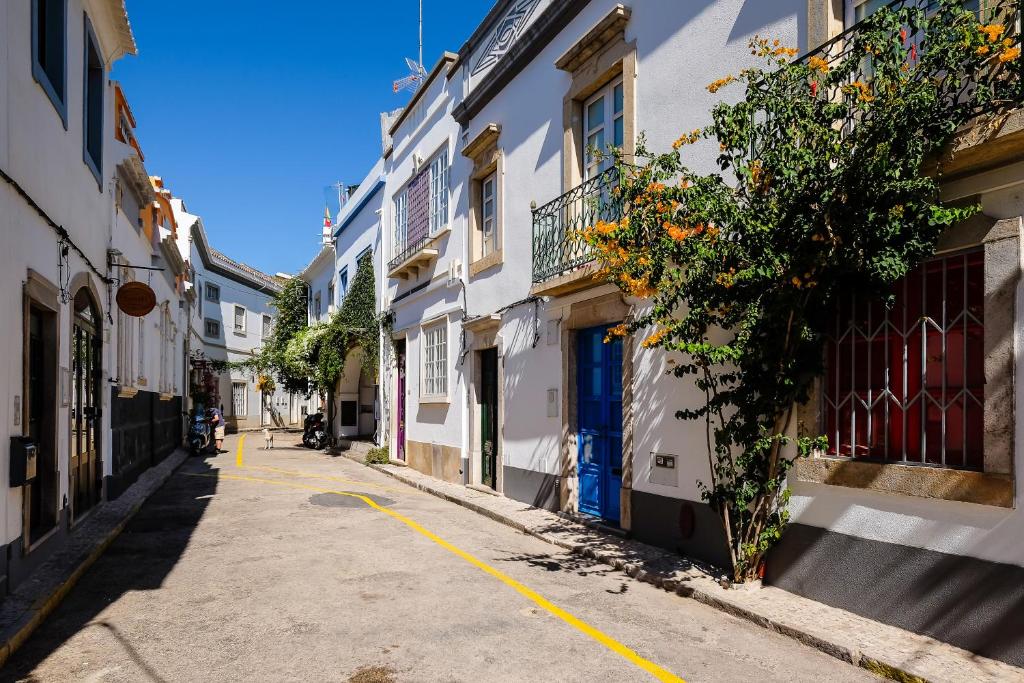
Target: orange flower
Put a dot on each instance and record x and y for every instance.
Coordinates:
(818, 64)
(721, 83)
(983, 50)
(655, 338)
(677, 233)
(1009, 55)
(992, 31)
(617, 331)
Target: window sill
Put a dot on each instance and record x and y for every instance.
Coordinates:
(239, 333)
(981, 488)
(435, 400)
(490, 261)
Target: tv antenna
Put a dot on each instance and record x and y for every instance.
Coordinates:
(417, 72)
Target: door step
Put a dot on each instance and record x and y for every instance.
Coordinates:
(595, 523)
(483, 489)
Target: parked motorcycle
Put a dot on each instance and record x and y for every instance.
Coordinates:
(314, 432)
(200, 435)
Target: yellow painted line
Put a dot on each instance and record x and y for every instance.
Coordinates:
(615, 646)
(240, 464)
(238, 453)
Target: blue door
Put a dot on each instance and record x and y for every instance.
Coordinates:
(599, 402)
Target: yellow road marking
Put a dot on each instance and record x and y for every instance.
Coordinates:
(240, 464)
(615, 646)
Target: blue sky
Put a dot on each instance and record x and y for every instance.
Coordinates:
(249, 109)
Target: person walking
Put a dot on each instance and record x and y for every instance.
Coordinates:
(217, 422)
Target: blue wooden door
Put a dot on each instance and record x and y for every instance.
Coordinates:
(599, 410)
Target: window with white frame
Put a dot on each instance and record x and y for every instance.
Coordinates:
(142, 352)
(239, 396)
(439, 192)
(401, 220)
(330, 296)
(488, 215)
(435, 360)
(343, 282)
(317, 307)
(239, 320)
(268, 326)
(126, 350)
(603, 127)
(212, 293)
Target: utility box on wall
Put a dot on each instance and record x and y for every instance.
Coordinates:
(23, 460)
(663, 470)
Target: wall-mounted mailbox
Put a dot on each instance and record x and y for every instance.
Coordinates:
(663, 470)
(23, 460)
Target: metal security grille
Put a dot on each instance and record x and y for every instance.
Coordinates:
(906, 384)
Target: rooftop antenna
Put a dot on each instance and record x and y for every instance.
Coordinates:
(417, 72)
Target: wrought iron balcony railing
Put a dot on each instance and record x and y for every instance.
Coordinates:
(558, 245)
(844, 46)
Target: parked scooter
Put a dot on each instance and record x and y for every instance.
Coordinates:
(200, 434)
(314, 432)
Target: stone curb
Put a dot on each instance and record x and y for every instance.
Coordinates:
(876, 663)
(35, 599)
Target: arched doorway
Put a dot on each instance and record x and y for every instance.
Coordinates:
(86, 367)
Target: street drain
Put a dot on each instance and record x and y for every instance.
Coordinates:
(373, 674)
(333, 500)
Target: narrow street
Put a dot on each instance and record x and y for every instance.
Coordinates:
(260, 565)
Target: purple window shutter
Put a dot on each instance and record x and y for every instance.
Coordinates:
(419, 207)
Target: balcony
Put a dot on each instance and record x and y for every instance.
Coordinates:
(562, 261)
(1007, 139)
(411, 255)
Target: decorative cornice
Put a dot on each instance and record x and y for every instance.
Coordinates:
(533, 40)
(487, 137)
(604, 32)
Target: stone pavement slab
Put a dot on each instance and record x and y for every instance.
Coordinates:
(36, 597)
(886, 650)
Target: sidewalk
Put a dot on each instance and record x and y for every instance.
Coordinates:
(34, 599)
(885, 650)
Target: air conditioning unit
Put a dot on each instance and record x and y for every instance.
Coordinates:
(454, 272)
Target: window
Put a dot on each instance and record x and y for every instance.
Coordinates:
(330, 296)
(317, 307)
(268, 326)
(239, 320)
(239, 394)
(93, 104)
(212, 293)
(435, 361)
(200, 285)
(907, 384)
(49, 51)
(343, 282)
(439, 192)
(603, 127)
(488, 215)
(859, 10)
(212, 328)
(401, 220)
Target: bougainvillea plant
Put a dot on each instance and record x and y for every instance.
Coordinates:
(821, 191)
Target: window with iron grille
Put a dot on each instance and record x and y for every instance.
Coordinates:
(268, 324)
(906, 384)
(239, 319)
(239, 396)
(435, 361)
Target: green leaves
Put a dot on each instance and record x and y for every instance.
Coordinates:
(822, 192)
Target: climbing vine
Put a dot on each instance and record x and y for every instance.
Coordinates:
(821, 191)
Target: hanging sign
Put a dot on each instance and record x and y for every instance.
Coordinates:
(136, 299)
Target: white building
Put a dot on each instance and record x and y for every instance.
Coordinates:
(231, 317)
(58, 214)
(424, 247)
(502, 377)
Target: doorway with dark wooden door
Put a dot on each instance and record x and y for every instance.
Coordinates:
(489, 428)
(86, 354)
(400, 400)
